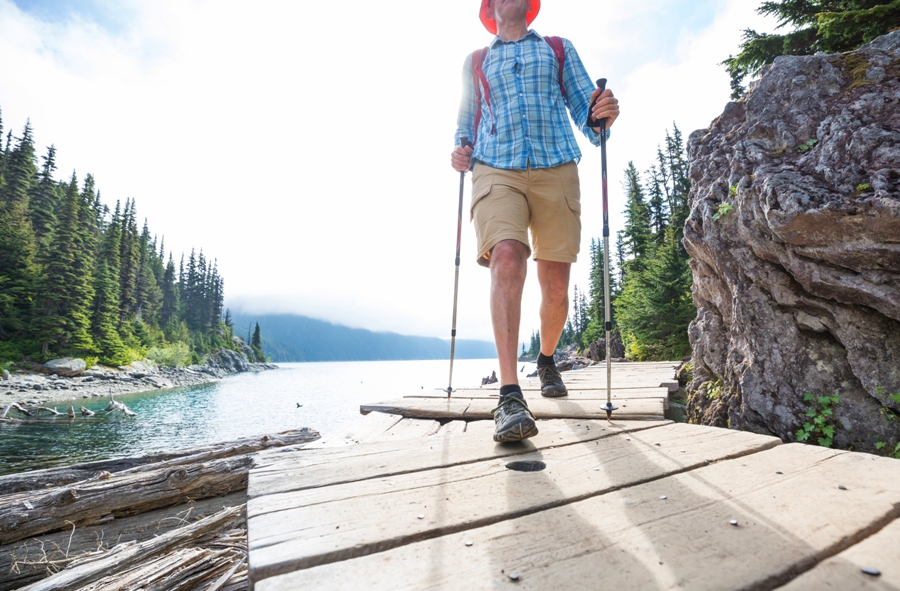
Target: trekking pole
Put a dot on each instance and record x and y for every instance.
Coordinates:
(607, 312)
(463, 142)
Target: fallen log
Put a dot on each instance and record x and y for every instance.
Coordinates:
(71, 412)
(131, 554)
(16, 407)
(105, 497)
(29, 560)
(51, 477)
(86, 412)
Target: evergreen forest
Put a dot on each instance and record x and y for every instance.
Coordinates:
(77, 279)
(650, 276)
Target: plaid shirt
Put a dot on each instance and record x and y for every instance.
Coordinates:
(529, 110)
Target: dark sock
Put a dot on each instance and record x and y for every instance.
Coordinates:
(545, 360)
(509, 389)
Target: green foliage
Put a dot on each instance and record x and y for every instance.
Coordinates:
(75, 280)
(807, 146)
(713, 389)
(724, 209)
(831, 26)
(820, 422)
(174, 355)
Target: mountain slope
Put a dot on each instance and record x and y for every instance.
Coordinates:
(289, 337)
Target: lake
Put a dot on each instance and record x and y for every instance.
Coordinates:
(242, 405)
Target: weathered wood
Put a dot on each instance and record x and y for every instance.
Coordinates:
(31, 559)
(844, 571)
(410, 429)
(88, 570)
(633, 539)
(535, 394)
(452, 428)
(305, 468)
(366, 429)
(52, 477)
(302, 529)
(86, 412)
(16, 407)
(544, 408)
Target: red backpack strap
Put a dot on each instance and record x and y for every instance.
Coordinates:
(559, 50)
(479, 81)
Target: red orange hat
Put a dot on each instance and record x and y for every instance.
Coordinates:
(491, 25)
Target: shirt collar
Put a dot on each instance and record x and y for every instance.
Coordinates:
(531, 32)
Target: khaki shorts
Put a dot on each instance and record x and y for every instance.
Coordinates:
(507, 203)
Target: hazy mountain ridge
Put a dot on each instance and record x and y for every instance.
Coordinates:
(291, 337)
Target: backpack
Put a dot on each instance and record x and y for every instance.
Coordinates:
(480, 82)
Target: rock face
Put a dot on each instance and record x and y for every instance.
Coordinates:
(66, 366)
(797, 281)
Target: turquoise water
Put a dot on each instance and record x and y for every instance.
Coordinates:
(243, 405)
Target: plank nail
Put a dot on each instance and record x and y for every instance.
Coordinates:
(733, 522)
(514, 576)
(469, 543)
(842, 487)
(871, 571)
(421, 517)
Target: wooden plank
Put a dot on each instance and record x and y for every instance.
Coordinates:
(366, 429)
(410, 429)
(633, 539)
(535, 394)
(844, 571)
(309, 468)
(542, 408)
(302, 529)
(452, 428)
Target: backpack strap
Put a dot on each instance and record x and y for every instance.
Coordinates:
(479, 81)
(559, 50)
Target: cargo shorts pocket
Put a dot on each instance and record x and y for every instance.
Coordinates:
(482, 181)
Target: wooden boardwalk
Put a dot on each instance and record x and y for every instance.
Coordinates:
(416, 495)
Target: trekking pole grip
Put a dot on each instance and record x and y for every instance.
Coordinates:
(591, 122)
(463, 142)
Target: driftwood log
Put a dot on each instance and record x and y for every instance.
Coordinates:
(53, 477)
(85, 412)
(26, 561)
(16, 407)
(129, 561)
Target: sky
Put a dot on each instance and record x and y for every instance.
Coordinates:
(305, 146)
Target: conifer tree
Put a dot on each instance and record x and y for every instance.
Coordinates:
(636, 234)
(66, 294)
(106, 313)
(45, 198)
(20, 170)
(831, 26)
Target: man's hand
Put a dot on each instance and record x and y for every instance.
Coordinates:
(459, 158)
(606, 107)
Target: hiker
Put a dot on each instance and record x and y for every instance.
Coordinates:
(524, 176)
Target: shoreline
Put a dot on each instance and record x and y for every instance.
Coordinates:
(34, 388)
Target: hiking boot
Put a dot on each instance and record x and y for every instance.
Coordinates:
(513, 420)
(551, 382)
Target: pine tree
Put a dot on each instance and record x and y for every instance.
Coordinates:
(45, 198)
(831, 26)
(129, 267)
(19, 170)
(637, 232)
(256, 344)
(106, 313)
(596, 316)
(66, 293)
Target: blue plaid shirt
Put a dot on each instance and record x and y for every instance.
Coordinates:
(529, 110)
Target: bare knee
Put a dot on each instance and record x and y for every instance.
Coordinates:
(509, 259)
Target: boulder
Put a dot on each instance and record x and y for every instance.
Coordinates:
(794, 238)
(6, 375)
(67, 366)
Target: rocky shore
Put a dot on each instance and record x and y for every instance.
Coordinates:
(62, 382)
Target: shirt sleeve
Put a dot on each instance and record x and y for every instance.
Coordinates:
(579, 87)
(465, 121)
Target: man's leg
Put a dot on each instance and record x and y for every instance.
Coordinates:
(554, 280)
(509, 264)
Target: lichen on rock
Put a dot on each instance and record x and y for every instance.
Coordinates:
(797, 280)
